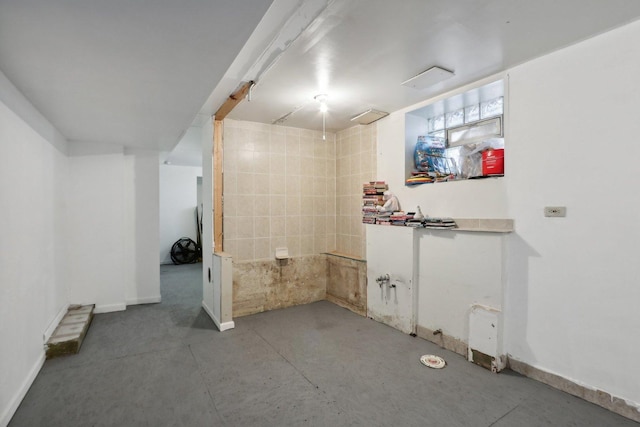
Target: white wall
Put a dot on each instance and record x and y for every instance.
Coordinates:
(112, 226)
(32, 268)
(457, 269)
(573, 282)
(178, 200)
(210, 294)
(453, 270)
(388, 304)
(95, 229)
(142, 224)
(79, 223)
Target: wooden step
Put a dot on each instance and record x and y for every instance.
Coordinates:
(68, 336)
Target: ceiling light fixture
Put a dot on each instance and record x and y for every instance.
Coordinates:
(322, 99)
(428, 78)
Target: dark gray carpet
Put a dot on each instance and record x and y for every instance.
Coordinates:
(318, 365)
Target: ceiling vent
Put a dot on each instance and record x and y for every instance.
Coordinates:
(428, 78)
(369, 117)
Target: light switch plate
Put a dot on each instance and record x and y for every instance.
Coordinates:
(555, 211)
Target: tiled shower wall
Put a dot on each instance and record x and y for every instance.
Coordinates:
(279, 190)
(356, 164)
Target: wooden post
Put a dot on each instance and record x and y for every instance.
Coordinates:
(218, 174)
(218, 177)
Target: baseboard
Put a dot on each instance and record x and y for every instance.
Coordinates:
(598, 397)
(225, 326)
(601, 398)
(145, 300)
(54, 323)
(109, 308)
(7, 413)
(222, 326)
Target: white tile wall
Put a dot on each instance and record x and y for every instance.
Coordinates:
(279, 190)
(355, 164)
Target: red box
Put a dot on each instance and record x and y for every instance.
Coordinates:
(493, 162)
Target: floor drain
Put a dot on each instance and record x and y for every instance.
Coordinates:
(435, 362)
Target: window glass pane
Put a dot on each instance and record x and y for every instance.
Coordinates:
(436, 123)
(475, 132)
(438, 134)
(491, 108)
(472, 113)
(455, 118)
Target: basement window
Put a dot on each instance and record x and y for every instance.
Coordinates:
(456, 138)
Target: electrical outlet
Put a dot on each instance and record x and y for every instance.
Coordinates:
(555, 211)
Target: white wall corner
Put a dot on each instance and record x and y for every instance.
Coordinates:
(54, 323)
(22, 107)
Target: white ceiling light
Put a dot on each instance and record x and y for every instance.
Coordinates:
(428, 78)
(369, 116)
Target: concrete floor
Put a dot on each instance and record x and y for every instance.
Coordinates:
(318, 365)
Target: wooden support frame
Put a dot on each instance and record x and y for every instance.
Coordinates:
(218, 177)
(234, 99)
(218, 155)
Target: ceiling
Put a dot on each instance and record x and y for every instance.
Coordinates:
(359, 52)
(139, 73)
(132, 73)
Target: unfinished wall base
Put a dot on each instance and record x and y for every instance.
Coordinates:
(347, 282)
(445, 341)
(598, 397)
(268, 285)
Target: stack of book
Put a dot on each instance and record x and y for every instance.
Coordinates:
(400, 218)
(383, 218)
(439, 223)
(419, 178)
(415, 223)
(372, 197)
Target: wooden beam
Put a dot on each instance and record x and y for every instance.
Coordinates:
(218, 154)
(218, 182)
(234, 99)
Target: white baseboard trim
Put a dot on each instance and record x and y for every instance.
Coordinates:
(213, 317)
(7, 413)
(54, 324)
(222, 326)
(108, 308)
(144, 300)
(225, 326)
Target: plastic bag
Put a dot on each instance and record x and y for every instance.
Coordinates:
(429, 155)
(471, 156)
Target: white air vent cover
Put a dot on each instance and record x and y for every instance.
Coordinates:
(369, 117)
(428, 78)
